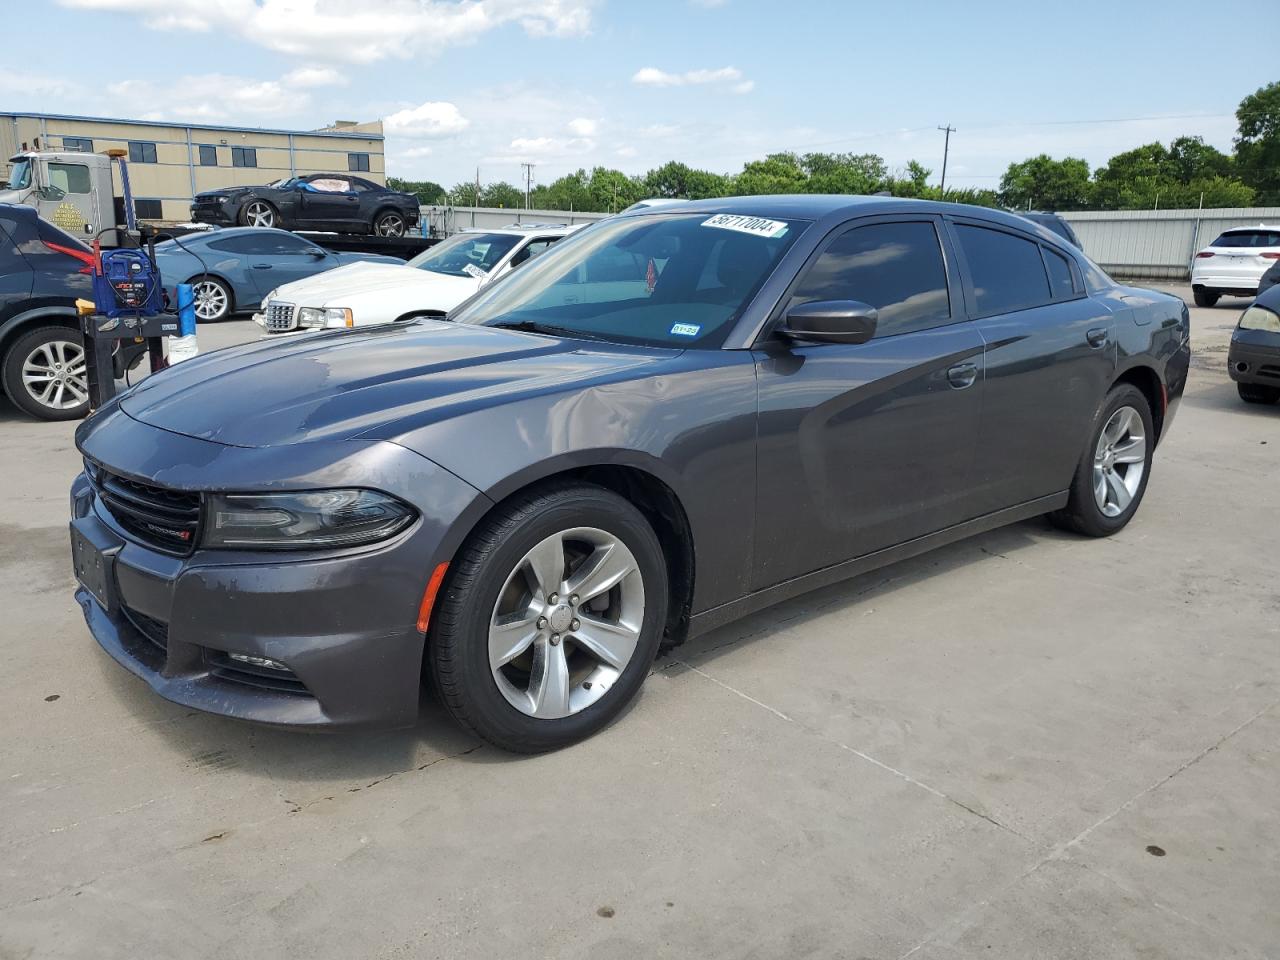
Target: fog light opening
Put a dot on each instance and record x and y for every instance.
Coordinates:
(258, 661)
(1242, 367)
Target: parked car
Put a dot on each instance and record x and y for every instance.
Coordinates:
(670, 421)
(321, 201)
(429, 285)
(43, 271)
(652, 202)
(1053, 222)
(1253, 359)
(230, 270)
(1234, 263)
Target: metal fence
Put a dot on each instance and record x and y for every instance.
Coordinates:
(1157, 244)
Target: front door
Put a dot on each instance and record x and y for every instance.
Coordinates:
(864, 446)
(327, 201)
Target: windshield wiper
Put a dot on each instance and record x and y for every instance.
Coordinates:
(534, 326)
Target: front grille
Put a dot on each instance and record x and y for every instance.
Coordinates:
(153, 630)
(168, 520)
(263, 678)
(1269, 370)
(280, 316)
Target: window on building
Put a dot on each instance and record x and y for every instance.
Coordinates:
(895, 267)
(1007, 271)
(208, 155)
(358, 161)
(244, 156)
(148, 209)
(69, 177)
(142, 152)
(79, 144)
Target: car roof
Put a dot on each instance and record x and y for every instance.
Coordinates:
(1254, 229)
(524, 229)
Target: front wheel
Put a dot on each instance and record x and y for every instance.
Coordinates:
(1112, 476)
(1205, 298)
(1258, 393)
(550, 618)
(213, 299)
(46, 373)
(258, 213)
(389, 223)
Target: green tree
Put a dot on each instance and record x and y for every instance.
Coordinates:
(1043, 183)
(1258, 143)
(675, 179)
(427, 191)
(501, 194)
(776, 173)
(1190, 158)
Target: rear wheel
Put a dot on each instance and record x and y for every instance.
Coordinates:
(1205, 298)
(389, 223)
(1112, 476)
(213, 299)
(46, 374)
(1258, 393)
(550, 619)
(258, 213)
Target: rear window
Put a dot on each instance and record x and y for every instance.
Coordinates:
(1248, 238)
(1007, 271)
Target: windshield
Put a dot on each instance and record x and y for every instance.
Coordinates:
(466, 254)
(670, 280)
(20, 175)
(281, 184)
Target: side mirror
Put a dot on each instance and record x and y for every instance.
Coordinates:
(318, 254)
(830, 321)
(51, 193)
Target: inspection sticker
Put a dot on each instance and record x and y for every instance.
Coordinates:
(686, 329)
(756, 226)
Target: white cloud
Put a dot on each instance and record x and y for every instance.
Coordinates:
(582, 127)
(626, 152)
(357, 31)
(709, 3)
(305, 77)
(729, 78)
(414, 153)
(207, 97)
(434, 118)
(22, 83)
(550, 146)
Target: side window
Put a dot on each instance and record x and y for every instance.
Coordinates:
(69, 177)
(1006, 271)
(895, 267)
(532, 249)
(208, 155)
(1061, 284)
(10, 259)
(264, 243)
(141, 152)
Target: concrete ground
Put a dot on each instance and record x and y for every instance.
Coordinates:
(1027, 745)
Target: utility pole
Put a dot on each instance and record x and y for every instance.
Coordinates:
(528, 181)
(946, 149)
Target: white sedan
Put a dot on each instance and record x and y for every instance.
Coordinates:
(1234, 263)
(431, 284)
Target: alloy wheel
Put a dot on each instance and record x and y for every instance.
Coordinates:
(56, 376)
(390, 225)
(1119, 461)
(566, 623)
(210, 300)
(260, 214)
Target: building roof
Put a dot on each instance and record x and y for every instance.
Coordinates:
(339, 134)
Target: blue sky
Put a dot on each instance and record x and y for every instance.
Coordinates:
(570, 83)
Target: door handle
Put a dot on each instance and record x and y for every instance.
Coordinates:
(262, 266)
(1097, 337)
(962, 375)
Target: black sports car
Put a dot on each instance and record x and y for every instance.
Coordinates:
(319, 201)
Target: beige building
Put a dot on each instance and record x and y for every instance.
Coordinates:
(169, 163)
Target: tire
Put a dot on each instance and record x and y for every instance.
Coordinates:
(45, 373)
(1258, 393)
(1093, 482)
(495, 695)
(259, 213)
(389, 223)
(214, 299)
(1205, 298)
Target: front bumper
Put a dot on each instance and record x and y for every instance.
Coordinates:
(219, 214)
(343, 623)
(1254, 357)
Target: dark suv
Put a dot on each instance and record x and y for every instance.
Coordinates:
(42, 272)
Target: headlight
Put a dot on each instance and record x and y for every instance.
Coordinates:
(1260, 318)
(300, 521)
(318, 317)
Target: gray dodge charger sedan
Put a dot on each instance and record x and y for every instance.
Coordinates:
(669, 420)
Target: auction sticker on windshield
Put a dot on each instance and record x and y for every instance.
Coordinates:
(471, 270)
(756, 226)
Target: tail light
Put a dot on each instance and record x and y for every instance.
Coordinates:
(1271, 256)
(82, 255)
(1204, 253)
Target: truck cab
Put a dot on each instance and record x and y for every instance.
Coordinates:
(71, 190)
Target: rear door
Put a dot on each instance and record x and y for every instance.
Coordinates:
(863, 446)
(1050, 356)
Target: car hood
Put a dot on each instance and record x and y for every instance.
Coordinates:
(224, 192)
(376, 383)
(338, 286)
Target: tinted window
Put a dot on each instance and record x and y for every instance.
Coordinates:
(69, 177)
(895, 267)
(10, 260)
(244, 157)
(1006, 271)
(208, 155)
(532, 249)
(1248, 238)
(1060, 282)
(357, 161)
(147, 209)
(361, 184)
(141, 152)
(264, 243)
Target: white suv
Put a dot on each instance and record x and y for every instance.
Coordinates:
(1234, 263)
(431, 284)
